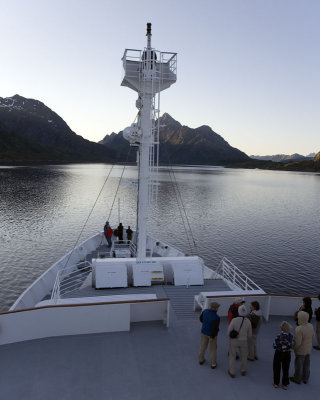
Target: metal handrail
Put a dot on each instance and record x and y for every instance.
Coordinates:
(234, 275)
(152, 243)
(133, 248)
(70, 279)
(123, 245)
(55, 294)
(134, 58)
(120, 244)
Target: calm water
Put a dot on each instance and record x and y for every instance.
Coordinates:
(265, 222)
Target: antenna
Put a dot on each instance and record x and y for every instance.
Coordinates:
(149, 34)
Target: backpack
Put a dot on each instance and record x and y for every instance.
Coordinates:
(234, 334)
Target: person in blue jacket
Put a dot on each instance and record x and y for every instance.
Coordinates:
(209, 333)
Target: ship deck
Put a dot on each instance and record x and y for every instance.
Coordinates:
(150, 362)
(181, 297)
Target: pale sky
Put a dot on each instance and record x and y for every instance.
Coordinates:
(247, 68)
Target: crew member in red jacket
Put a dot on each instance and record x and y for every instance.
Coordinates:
(108, 234)
(233, 309)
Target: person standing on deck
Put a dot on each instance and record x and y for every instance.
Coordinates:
(105, 228)
(209, 333)
(282, 355)
(233, 309)
(307, 307)
(233, 313)
(129, 232)
(108, 235)
(317, 314)
(120, 232)
(302, 345)
(242, 325)
(255, 320)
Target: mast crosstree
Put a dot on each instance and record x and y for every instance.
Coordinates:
(147, 72)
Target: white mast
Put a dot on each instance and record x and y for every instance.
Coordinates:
(148, 72)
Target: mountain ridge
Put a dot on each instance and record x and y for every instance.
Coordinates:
(183, 145)
(31, 132)
(309, 165)
(284, 157)
(45, 132)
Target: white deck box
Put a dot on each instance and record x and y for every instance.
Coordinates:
(187, 272)
(146, 273)
(108, 274)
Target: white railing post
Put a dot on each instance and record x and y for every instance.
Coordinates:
(65, 283)
(234, 276)
(55, 295)
(58, 292)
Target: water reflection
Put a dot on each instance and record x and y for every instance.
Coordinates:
(266, 222)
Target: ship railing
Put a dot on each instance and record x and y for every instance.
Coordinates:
(100, 315)
(170, 59)
(120, 244)
(42, 286)
(132, 248)
(163, 249)
(104, 253)
(234, 276)
(164, 64)
(125, 245)
(70, 279)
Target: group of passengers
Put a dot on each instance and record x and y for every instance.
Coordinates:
(243, 330)
(118, 232)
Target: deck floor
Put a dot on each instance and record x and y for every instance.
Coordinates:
(150, 362)
(181, 297)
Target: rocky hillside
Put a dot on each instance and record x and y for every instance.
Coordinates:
(317, 157)
(284, 158)
(183, 145)
(30, 131)
(312, 165)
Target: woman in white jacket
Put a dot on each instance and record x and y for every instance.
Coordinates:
(241, 325)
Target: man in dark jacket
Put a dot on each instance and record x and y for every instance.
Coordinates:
(120, 232)
(209, 333)
(129, 234)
